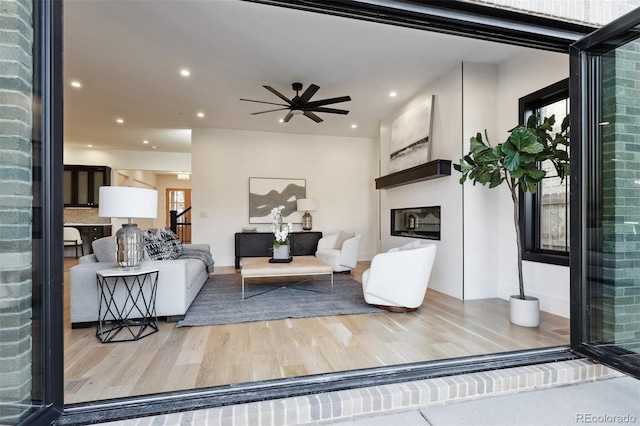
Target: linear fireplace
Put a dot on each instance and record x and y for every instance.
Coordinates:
(416, 222)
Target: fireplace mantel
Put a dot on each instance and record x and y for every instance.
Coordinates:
(431, 170)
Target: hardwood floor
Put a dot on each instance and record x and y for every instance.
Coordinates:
(195, 357)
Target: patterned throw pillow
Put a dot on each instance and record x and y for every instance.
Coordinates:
(172, 241)
(156, 247)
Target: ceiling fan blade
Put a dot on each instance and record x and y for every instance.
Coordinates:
(304, 98)
(287, 117)
(262, 102)
(312, 116)
(329, 110)
(327, 101)
(278, 94)
(271, 110)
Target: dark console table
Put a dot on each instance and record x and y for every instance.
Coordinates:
(260, 244)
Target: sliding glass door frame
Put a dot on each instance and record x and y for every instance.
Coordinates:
(457, 18)
(586, 92)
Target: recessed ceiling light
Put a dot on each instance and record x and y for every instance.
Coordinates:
(119, 120)
(201, 114)
(89, 146)
(145, 142)
(281, 120)
(154, 147)
(354, 126)
(185, 72)
(393, 94)
(76, 84)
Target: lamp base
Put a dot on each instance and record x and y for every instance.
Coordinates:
(307, 221)
(129, 246)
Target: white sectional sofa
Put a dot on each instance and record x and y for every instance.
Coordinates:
(179, 282)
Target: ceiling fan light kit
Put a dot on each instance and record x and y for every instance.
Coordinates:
(302, 104)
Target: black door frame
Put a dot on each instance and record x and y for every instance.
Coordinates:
(584, 91)
(457, 18)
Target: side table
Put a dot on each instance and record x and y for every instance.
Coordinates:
(127, 301)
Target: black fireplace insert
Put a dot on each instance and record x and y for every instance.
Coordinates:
(416, 222)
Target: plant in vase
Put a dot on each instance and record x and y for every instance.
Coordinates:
(517, 162)
(281, 233)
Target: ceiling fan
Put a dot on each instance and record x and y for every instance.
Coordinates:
(301, 104)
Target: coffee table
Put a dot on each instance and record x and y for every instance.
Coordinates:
(259, 267)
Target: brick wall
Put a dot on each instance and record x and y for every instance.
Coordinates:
(621, 195)
(16, 38)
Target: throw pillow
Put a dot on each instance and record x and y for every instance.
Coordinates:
(105, 249)
(410, 246)
(172, 241)
(155, 246)
(342, 237)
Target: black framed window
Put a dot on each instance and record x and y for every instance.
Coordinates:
(544, 216)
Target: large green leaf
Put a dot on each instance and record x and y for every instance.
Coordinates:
(523, 140)
(512, 160)
(536, 174)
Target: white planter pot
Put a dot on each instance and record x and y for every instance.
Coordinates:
(525, 313)
(281, 252)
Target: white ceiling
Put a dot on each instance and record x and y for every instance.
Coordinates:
(128, 55)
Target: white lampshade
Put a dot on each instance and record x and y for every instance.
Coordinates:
(307, 204)
(128, 202)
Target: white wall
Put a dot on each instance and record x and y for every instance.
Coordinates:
(520, 76)
(479, 113)
(446, 192)
(129, 160)
(477, 254)
(339, 173)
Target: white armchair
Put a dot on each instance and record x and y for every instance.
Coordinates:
(343, 259)
(72, 238)
(397, 280)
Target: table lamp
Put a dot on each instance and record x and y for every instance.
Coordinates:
(127, 202)
(307, 205)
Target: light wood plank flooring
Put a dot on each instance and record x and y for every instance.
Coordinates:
(194, 357)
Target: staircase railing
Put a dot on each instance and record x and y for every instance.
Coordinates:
(178, 224)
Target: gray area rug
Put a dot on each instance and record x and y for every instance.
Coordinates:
(220, 300)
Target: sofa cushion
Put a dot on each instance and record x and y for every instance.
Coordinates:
(342, 237)
(105, 249)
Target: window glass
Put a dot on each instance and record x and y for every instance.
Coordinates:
(553, 193)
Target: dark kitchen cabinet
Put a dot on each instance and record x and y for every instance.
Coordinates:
(91, 233)
(82, 183)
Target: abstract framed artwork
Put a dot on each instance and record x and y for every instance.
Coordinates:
(411, 137)
(267, 193)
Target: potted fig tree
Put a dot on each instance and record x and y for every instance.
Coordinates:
(517, 162)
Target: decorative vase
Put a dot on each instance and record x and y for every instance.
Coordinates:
(281, 252)
(525, 313)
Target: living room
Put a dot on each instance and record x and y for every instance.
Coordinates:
(340, 170)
